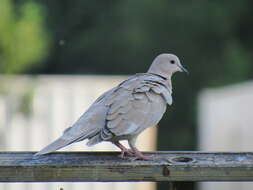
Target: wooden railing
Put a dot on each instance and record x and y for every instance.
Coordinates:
(108, 167)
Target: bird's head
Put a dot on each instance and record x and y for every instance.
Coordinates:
(165, 65)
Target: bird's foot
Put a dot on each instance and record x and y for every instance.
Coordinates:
(132, 154)
(126, 153)
(140, 156)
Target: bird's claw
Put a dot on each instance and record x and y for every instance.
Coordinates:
(130, 155)
(143, 157)
(126, 153)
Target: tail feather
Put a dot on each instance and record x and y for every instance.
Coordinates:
(57, 144)
(61, 142)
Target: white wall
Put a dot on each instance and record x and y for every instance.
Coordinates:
(55, 102)
(226, 124)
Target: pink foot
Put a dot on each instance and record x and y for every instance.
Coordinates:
(140, 156)
(126, 153)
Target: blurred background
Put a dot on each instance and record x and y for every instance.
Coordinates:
(51, 52)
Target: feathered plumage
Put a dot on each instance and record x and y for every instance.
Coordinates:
(126, 110)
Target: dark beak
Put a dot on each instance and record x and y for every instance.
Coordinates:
(184, 70)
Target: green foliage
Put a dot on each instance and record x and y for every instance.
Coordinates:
(238, 62)
(122, 37)
(23, 39)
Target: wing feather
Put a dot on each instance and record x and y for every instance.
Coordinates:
(131, 105)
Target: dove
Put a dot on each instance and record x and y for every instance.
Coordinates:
(126, 110)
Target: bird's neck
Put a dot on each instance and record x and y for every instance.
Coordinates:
(168, 82)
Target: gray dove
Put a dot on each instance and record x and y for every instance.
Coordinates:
(126, 110)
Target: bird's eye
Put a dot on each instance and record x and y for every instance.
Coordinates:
(172, 61)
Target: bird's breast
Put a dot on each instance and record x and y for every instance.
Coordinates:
(152, 111)
(156, 108)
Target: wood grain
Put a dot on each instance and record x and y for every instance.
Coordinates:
(108, 167)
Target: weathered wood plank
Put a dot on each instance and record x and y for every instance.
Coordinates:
(106, 166)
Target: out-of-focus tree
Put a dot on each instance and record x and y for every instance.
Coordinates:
(23, 39)
(98, 36)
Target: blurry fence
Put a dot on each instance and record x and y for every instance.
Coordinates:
(226, 124)
(35, 110)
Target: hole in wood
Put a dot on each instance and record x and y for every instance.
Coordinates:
(182, 159)
(166, 171)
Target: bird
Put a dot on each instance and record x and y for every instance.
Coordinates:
(126, 110)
